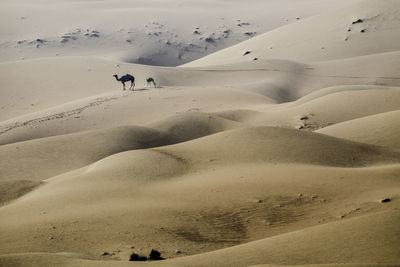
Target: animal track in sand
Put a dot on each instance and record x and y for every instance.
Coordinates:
(60, 115)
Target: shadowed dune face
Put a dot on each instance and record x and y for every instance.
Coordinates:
(14, 189)
(279, 145)
(282, 150)
(27, 163)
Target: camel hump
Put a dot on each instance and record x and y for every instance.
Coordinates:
(128, 76)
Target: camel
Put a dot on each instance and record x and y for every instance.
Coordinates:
(126, 78)
(151, 80)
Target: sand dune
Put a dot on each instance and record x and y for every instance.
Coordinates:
(331, 108)
(285, 146)
(150, 196)
(146, 32)
(282, 150)
(279, 145)
(359, 248)
(181, 213)
(207, 90)
(72, 260)
(53, 78)
(27, 163)
(335, 34)
(380, 129)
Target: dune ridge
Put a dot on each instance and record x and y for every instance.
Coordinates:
(281, 150)
(378, 129)
(334, 35)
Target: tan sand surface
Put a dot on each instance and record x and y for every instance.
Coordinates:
(292, 159)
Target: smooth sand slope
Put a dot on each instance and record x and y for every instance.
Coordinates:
(292, 159)
(381, 129)
(327, 36)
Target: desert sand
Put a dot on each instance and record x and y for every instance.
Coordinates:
(272, 137)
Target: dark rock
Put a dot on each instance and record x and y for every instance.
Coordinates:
(243, 24)
(67, 36)
(304, 118)
(209, 40)
(155, 255)
(386, 200)
(357, 21)
(255, 58)
(105, 253)
(136, 257)
(249, 33)
(246, 53)
(363, 30)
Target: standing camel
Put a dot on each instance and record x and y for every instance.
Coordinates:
(126, 78)
(151, 80)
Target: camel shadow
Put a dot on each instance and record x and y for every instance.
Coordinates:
(142, 89)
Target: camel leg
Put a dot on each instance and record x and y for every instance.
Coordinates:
(154, 84)
(124, 86)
